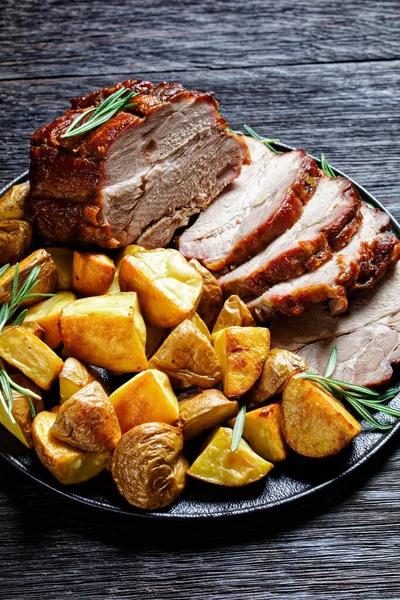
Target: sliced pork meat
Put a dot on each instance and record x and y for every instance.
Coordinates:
(357, 266)
(327, 223)
(140, 175)
(255, 209)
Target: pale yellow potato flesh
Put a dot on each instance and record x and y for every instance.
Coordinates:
(218, 465)
(92, 273)
(12, 203)
(241, 352)
(128, 251)
(32, 327)
(106, 331)
(315, 424)
(47, 276)
(147, 397)
(234, 313)
(200, 324)
(21, 409)
(15, 241)
(23, 350)
(203, 410)
(212, 298)
(47, 315)
(62, 258)
(73, 377)
(69, 465)
(169, 288)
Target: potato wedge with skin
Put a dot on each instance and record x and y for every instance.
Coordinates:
(92, 274)
(69, 465)
(234, 313)
(199, 323)
(12, 203)
(15, 241)
(278, 367)
(32, 327)
(263, 432)
(187, 355)
(315, 424)
(241, 352)
(23, 350)
(87, 421)
(47, 314)
(145, 398)
(154, 339)
(147, 465)
(204, 410)
(21, 409)
(73, 377)
(218, 465)
(212, 298)
(47, 276)
(128, 251)
(107, 331)
(62, 258)
(168, 287)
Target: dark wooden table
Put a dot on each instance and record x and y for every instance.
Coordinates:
(320, 74)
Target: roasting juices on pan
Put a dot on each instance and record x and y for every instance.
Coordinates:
(120, 354)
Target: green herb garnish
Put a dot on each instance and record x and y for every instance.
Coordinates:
(238, 428)
(264, 141)
(325, 166)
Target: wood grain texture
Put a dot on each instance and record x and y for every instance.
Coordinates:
(323, 75)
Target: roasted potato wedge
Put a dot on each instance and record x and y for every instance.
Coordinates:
(199, 323)
(218, 465)
(21, 409)
(263, 431)
(62, 258)
(212, 298)
(69, 465)
(234, 313)
(32, 327)
(205, 409)
(169, 288)
(187, 355)
(12, 204)
(47, 315)
(87, 421)
(144, 398)
(23, 350)
(241, 352)
(128, 251)
(107, 331)
(92, 274)
(148, 467)
(15, 241)
(154, 339)
(278, 367)
(315, 424)
(73, 377)
(47, 276)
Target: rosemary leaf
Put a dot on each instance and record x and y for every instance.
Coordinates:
(327, 169)
(32, 408)
(20, 319)
(330, 367)
(4, 269)
(264, 141)
(238, 428)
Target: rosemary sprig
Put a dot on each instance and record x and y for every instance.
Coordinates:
(264, 141)
(238, 428)
(359, 397)
(106, 109)
(325, 166)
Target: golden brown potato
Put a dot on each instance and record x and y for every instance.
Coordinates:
(263, 431)
(92, 274)
(168, 288)
(154, 339)
(199, 323)
(47, 314)
(22, 349)
(107, 331)
(212, 298)
(315, 424)
(218, 465)
(148, 467)
(21, 409)
(87, 421)
(47, 276)
(32, 327)
(128, 251)
(234, 313)
(68, 464)
(187, 355)
(12, 204)
(241, 352)
(73, 377)
(144, 398)
(62, 258)
(278, 367)
(204, 409)
(15, 241)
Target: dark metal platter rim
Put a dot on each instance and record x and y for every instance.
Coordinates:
(265, 506)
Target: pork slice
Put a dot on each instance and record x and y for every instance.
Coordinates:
(256, 208)
(357, 266)
(327, 223)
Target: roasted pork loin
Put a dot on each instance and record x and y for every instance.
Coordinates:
(260, 205)
(327, 223)
(139, 176)
(357, 266)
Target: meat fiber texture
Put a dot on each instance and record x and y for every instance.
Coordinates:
(260, 205)
(357, 266)
(327, 223)
(139, 176)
